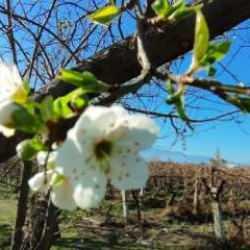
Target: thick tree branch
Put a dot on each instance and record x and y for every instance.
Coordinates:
(119, 64)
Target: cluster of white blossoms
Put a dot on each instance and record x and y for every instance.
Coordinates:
(12, 93)
(103, 146)
(61, 189)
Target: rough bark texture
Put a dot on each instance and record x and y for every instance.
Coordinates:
(49, 230)
(119, 64)
(218, 223)
(21, 207)
(124, 206)
(196, 201)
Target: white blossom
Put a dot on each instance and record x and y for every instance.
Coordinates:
(62, 195)
(41, 181)
(48, 158)
(104, 145)
(61, 187)
(12, 92)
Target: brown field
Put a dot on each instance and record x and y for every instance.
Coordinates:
(165, 217)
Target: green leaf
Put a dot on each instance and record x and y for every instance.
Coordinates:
(28, 119)
(215, 52)
(62, 109)
(219, 50)
(28, 149)
(170, 87)
(177, 98)
(57, 180)
(180, 10)
(201, 40)
(211, 71)
(169, 12)
(174, 95)
(46, 109)
(67, 106)
(161, 8)
(105, 15)
(180, 107)
(77, 98)
(86, 80)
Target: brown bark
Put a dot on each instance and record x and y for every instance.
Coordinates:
(22, 207)
(45, 227)
(218, 222)
(119, 63)
(196, 201)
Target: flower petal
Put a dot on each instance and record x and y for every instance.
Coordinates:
(7, 132)
(129, 172)
(41, 181)
(42, 157)
(90, 189)
(10, 81)
(96, 122)
(69, 159)
(62, 196)
(141, 133)
(6, 110)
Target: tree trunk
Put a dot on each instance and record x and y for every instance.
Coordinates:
(140, 216)
(22, 206)
(124, 206)
(218, 223)
(196, 201)
(44, 223)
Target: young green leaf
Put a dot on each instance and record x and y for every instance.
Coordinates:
(77, 78)
(62, 109)
(169, 12)
(28, 119)
(66, 107)
(46, 109)
(86, 80)
(161, 8)
(174, 95)
(201, 40)
(28, 149)
(215, 52)
(180, 107)
(57, 179)
(211, 71)
(105, 15)
(177, 98)
(180, 10)
(219, 50)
